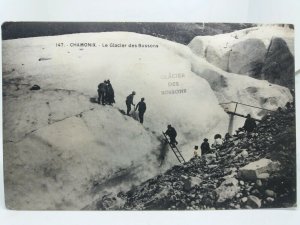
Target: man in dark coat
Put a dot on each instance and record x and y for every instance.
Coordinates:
(141, 106)
(205, 148)
(171, 132)
(110, 94)
(101, 93)
(249, 124)
(129, 102)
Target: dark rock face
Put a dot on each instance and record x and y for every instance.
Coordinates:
(279, 65)
(222, 183)
(275, 64)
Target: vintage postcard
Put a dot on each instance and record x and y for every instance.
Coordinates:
(148, 116)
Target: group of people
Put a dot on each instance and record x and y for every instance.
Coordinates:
(248, 127)
(106, 94)
(205, 147)
(141, 106)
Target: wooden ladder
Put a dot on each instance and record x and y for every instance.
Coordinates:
(175, 150)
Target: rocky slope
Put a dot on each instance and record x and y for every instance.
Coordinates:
(256, 170)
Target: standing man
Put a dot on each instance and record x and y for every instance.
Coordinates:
(205, 149)
(129, 102)
(141, 106)
(101, 92)
(249, 124)
(171, 132)
(110, 94)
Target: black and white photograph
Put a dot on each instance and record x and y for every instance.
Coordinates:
(148, 116)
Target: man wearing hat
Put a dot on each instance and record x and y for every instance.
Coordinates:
(141, 106)
(205, 148)
(129, 102)
(171, 132)
(110, 94)
(102, 92)
(249, 124)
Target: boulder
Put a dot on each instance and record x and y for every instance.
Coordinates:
(210, 158)
(259, 183)
(279, 64)
(263, 176)
(239, 195)
(190, 182)
(254, 202)
(227, 190)
(195, 181)
(256, 169)
(212, 166)
(244, 199)
(269, 199)
(255, 192)
(270, 193)
(244, 153)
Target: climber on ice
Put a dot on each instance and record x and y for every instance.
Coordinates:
(110, 94)
(171, 132)
(141, 106)
(129, 102)
(102, 93)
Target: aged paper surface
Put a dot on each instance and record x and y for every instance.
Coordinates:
(168, 116)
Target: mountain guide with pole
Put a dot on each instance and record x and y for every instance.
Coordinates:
(110, 94)
(141, 106)
(102, 93)
(250, 124)
(129, 102)
(171, 132)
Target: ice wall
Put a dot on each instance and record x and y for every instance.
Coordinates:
(62, 151)
(263, 52)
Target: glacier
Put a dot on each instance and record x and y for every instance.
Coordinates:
(62, 151)
(265, 52)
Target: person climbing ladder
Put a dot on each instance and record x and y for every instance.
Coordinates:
(171, 132)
